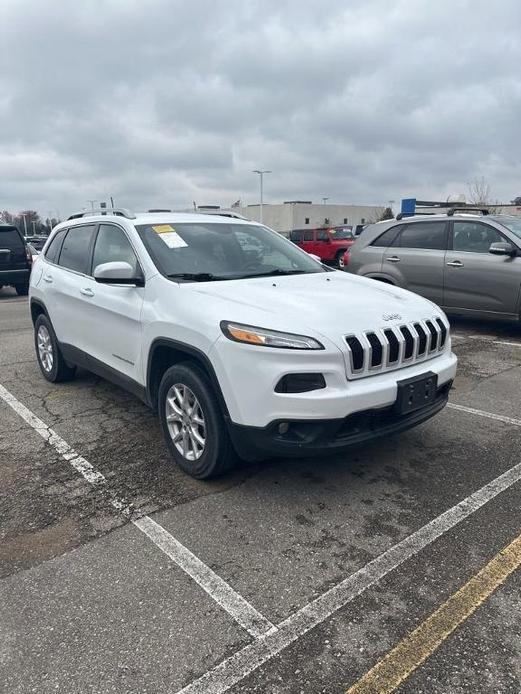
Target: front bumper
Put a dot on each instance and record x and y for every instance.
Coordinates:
(248, 377)
(322, 436)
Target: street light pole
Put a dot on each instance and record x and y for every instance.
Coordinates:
(25, 223)
(261, 175)
(92, 203)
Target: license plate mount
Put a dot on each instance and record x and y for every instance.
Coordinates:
(417, 392)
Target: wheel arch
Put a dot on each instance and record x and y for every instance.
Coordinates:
(37, 308)
(166, 352)
(381, 278)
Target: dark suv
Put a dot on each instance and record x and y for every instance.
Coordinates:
(15, 259)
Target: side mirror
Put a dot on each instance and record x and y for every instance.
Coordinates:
(502, 248)
(117, 273)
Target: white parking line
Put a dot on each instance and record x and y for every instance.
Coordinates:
(244, 662)
(270, 639)
(235, 605)
(488, 415)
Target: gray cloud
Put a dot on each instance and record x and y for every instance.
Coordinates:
(166, 102)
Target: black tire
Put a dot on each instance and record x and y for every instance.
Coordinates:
(22, 289)
(339, 260)
(59, 370)
(218, 454)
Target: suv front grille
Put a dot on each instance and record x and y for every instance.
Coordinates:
(392, 348)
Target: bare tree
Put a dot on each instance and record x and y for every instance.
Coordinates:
(479, 191)
(479, 194)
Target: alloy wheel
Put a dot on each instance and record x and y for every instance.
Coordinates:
(45, 350)
(185, 421)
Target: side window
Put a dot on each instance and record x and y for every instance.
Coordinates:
(296, 236)
(113, 245)
(427, 235)
(53, 252)
(322, 236)
(473, 237)
(387, 238)
(308, 235)
(74, 254)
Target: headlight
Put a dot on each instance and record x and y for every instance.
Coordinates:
(267, 338)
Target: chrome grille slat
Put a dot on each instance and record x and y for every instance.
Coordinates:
(379, 345)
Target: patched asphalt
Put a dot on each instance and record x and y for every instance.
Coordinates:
(88, 604)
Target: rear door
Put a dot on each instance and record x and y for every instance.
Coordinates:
(67, 284)
(308, 241)
(476, 280)
(322, 244)
(367, 260)
(416, 259)
(13, 256)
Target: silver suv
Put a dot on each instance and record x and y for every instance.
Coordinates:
(467, 263)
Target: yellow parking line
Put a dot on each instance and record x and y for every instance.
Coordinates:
(414, 649)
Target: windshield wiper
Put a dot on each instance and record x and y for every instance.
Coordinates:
(278, 271)
(195, 276)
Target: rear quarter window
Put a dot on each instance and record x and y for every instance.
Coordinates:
(388, 237)
(53, 251)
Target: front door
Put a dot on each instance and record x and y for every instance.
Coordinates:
(112, 312)
(476, 280)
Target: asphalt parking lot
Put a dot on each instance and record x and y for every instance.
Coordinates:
(379, 570)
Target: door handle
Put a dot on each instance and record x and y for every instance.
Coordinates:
(393, 259)
(87, 292)
(455, 263)
(47, 278)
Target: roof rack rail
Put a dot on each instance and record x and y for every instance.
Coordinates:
(401, 215)
(158, 209)
(214, 213)
(483, 210)
(112, 211)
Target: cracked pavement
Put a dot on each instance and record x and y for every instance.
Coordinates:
(87, 605)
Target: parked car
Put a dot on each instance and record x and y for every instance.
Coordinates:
(242, 354)
(15, 259)
(328, 244)
(466, 262)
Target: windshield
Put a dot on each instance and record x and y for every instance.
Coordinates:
(513, 224)
(341, 233)
(201, 251)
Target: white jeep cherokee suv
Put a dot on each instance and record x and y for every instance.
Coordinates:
(244, 344)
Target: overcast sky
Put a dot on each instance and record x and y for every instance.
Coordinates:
(161, 102)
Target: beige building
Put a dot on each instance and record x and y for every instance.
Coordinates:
(297, 214)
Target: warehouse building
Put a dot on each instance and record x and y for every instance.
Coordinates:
(299, 214)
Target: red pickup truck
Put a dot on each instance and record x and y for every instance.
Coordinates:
(329, 244)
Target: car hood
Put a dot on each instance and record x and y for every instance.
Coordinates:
(332, 303)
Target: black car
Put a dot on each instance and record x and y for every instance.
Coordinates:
(15, 259)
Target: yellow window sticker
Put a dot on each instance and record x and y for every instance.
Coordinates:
(163, 228)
